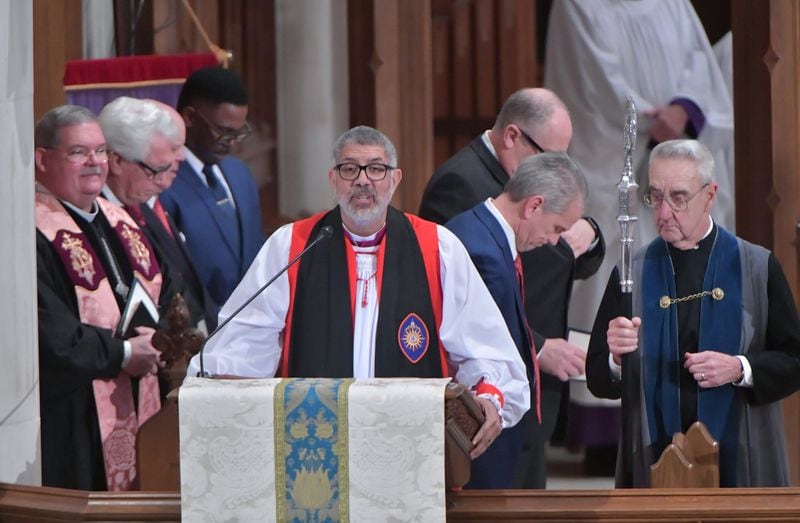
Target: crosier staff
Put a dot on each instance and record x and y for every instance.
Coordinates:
(627, 218)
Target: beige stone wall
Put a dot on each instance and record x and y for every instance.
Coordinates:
(19, 373)
(312, 89)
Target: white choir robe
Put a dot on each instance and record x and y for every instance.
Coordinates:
(600, 52)
(473, 331)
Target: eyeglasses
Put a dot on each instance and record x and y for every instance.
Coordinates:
(530, 140)
(225, 134)
(80, 155)
(678, 201)
(150, 171)
(374, 171)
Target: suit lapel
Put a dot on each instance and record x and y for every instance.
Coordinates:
(489, 161)
(496, 231)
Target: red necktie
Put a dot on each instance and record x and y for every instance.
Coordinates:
(162, 216)
(521, 279)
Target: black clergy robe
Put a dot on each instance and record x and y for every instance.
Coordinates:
(775, 362)
(71, 355)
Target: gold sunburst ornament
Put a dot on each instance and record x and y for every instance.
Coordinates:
(413, 337)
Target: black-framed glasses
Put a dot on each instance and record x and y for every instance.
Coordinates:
(530, 140)
(375, 171)
(80, 155)
(226, 134)
(677, 201)
(150, 171)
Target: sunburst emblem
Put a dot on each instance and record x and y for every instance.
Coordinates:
(413, 337)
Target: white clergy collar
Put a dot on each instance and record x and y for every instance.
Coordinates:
(88, 216)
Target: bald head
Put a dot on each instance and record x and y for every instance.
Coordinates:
(541, 114)
(531, 121)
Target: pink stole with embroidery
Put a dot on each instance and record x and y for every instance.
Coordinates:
(97, 306)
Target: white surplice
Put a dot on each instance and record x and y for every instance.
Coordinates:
(473, 331)
(599, 52)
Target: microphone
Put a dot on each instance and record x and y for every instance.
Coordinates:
(324, 233)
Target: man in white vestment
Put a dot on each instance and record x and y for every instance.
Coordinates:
(599, 53)
(388, 295)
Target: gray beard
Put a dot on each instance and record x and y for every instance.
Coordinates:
(364, 217)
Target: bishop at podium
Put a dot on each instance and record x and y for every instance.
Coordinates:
(389, 295)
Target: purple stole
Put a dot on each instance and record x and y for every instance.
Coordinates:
(97, 306)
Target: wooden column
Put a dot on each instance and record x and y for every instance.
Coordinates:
(389, 47)
(766, 50)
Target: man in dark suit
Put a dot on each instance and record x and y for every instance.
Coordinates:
(531, 121)
(543, 199)
(146, 141)
(214, 199)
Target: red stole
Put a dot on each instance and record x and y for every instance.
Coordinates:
(97, 306)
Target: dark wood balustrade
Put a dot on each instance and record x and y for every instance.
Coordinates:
(24, 504)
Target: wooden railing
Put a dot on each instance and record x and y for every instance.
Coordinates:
(24, 504)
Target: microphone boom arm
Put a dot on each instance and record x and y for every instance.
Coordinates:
(324, 233)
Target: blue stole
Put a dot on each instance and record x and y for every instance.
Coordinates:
(720, 330)
(311, 451)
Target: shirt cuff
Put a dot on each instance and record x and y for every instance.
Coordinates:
(596, 229)
(491, 393)
(616, 370)
(495, 401)
(747, 373)
(127, 354)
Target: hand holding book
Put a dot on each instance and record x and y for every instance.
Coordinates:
(140, 311)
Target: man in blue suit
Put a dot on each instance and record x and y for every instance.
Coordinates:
(214, 199)
(531, 121)
(544, 198)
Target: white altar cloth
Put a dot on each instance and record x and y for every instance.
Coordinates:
(390, 467)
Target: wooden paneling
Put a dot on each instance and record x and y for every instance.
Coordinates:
(391, 82)
(247, 29)
(766, 46)
(517, 45)
(57, 38)
(133, 27)
(484, 50)
(35, 504)
(627, 505)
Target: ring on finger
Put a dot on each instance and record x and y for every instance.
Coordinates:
(702, 376)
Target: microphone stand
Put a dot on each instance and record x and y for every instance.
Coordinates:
(627, 192)
(324, 233)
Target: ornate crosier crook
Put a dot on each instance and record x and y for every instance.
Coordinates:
(627, 191)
